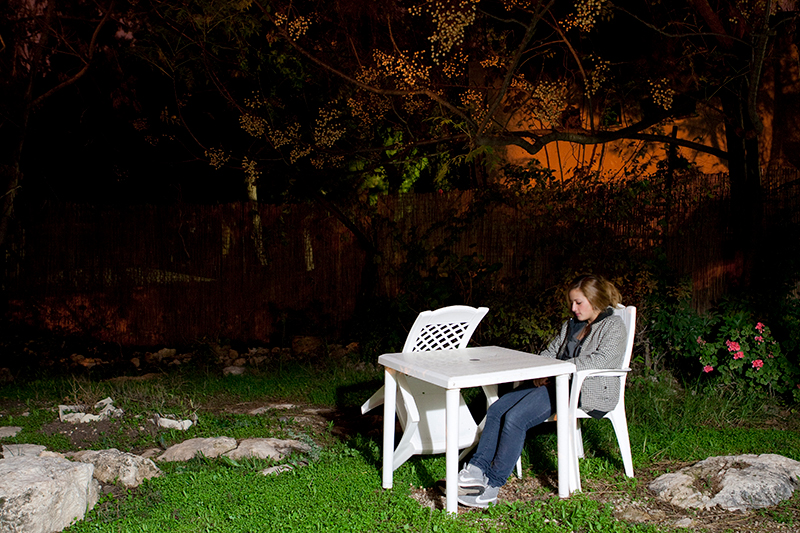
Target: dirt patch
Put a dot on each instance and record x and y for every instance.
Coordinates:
(85, 436)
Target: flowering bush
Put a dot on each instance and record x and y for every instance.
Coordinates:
(728, 343)
(738, 349)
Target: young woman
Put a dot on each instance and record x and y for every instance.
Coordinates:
(592, 338)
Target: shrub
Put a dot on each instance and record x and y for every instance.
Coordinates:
(737, 349)
(726, 343)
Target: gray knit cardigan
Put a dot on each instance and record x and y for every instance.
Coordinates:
(603, 347)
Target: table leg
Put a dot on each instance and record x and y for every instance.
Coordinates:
(389, 413)
(452, 397)
(562, 429)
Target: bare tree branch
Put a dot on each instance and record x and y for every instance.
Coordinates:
(86, 61)
(512, 67)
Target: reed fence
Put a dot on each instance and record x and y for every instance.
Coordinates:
(166, 274)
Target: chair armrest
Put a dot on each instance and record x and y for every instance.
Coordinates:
(374, 401)
(405, 395)
(609, 372)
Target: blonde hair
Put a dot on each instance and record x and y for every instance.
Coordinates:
(600, 292)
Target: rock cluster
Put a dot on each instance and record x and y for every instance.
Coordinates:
(225, 356)
(76, 413)
(44, 492)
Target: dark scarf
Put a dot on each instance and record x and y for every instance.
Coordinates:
(572, 346)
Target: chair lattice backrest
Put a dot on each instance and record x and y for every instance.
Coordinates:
(440, 337)
(447, 328)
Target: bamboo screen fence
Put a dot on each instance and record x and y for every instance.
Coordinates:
(149, 275)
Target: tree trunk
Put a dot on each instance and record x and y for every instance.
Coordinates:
(745, 213)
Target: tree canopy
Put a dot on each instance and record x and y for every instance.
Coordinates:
(355, 97)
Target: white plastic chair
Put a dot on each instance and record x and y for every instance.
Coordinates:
(420, 405)
(617, 415)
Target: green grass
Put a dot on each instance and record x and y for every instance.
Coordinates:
(338, 493)
(340, 488)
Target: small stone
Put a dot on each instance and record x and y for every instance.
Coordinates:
(168, 423)
(632, 514)
(274, 470)
(9, 431)
(267, 448)
(113, 466)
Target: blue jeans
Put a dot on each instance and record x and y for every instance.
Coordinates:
(507, 421)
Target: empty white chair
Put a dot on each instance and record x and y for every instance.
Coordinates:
(420, 405)
(617, 415)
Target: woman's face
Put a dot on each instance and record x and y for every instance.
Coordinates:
(581, 307)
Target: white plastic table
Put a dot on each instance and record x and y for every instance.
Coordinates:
(454, 370)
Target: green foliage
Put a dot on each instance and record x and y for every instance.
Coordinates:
(576, 216)
(521, 323)
(673, 324)
(689, 422)
(565, 227)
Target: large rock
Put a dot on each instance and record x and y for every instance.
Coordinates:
(734, 482)
(275, 449)
(114, 466)
(208, 447)
(44, 494)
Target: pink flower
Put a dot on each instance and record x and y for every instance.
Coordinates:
(760, 327)
(738, 355)
(708, 368)
(759, 338)
(700, 341)
(733, 346)
(758, 363)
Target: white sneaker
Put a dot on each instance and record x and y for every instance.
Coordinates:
(472, 476)
(483, 499)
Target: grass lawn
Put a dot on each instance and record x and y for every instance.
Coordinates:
(337, 486)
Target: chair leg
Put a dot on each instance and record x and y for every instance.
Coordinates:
(578, 438)
(620, 424)
(519, 467)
